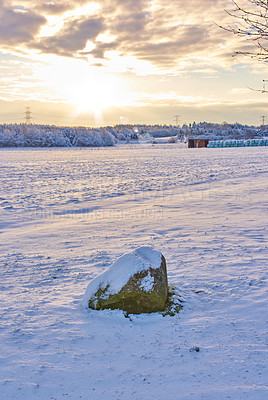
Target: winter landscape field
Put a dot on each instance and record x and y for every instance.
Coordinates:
(67, 214)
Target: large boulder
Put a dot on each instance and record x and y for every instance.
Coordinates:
(135, 283)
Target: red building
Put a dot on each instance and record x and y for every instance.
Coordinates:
(197, 142)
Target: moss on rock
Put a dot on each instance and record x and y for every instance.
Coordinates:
(145, 292)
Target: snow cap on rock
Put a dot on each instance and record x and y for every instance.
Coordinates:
(139, 273)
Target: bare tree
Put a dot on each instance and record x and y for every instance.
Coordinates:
(251, 23)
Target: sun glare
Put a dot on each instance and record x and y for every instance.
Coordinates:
(87, 88)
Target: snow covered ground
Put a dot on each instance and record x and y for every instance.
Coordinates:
(67, 214)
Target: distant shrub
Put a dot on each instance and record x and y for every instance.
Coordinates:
(173, 139)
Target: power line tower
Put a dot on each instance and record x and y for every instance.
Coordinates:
(176, 117)
(263, 119)
(28, 115)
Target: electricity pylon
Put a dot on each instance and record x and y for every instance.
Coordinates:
(28, 115)
(177, 116)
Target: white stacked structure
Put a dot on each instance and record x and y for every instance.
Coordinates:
(238, 143)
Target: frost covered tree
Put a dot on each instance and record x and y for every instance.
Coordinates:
(51, 136)
(251, 23)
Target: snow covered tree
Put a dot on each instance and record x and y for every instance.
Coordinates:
(251, 23)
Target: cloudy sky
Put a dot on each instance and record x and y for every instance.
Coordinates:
(131, 61)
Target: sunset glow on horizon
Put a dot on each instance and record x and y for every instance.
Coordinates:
(144, 61)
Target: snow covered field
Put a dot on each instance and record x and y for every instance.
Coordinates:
(67, 214)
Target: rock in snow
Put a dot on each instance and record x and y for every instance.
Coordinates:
(135, 283)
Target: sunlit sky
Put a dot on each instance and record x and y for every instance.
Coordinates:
(105, 62)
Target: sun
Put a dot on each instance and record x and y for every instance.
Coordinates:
(89, 89)
(95, 91)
